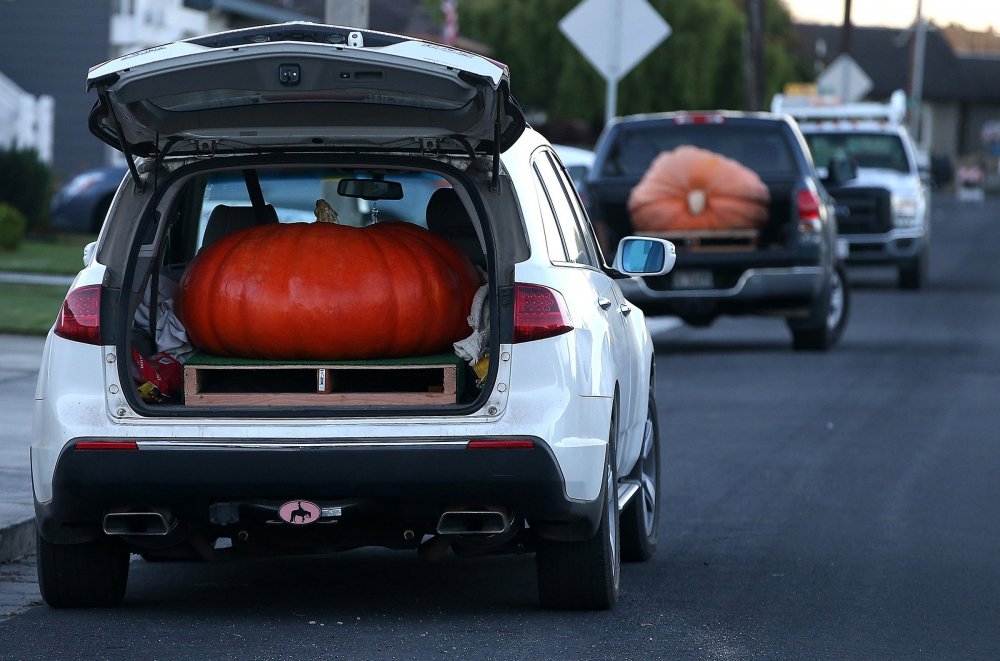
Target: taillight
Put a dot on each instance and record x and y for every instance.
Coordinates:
(80, 316)
(700, 118)
(810, 220)
(539, 312)
(500, 444)
(106, 445)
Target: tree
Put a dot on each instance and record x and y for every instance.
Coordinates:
(699, 67)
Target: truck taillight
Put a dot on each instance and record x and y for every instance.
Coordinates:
(80, 316)
(810, 220)
(699, 118)
(539, 312)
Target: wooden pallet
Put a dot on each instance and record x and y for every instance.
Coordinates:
(735, 240)
(210, 381)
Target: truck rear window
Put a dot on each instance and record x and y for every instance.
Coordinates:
(762, 148)
(870, 150)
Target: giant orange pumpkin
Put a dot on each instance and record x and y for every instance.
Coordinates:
(695, 189)
(326, 292)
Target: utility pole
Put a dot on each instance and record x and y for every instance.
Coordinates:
(845, 32)
(917, 81)
(754, 70)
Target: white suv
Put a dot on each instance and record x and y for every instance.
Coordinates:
(227, 378)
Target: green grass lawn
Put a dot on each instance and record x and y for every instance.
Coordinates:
(29, 309)
(62, 254)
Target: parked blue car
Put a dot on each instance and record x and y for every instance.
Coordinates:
(80, 205)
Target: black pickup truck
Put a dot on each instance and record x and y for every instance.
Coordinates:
(790, 267)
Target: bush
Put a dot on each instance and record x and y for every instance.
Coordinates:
(12, 226)
(26, 185)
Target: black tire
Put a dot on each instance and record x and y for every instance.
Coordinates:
(585, 575)
(914, 274)
(828, 319)
(641, 517)
(88, 575)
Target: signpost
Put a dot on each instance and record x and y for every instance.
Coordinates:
(614, 36)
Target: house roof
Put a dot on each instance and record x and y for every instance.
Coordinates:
(885, 54)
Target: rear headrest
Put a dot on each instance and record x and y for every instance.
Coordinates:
(446, 215)
(226, 220)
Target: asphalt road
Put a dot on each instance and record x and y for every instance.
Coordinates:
(818, 506)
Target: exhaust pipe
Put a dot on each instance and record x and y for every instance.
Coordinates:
(473, 522)
(138, 523)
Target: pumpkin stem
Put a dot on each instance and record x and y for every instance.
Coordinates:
(696, 202)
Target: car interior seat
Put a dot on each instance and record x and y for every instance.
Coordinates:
(447, 217)
(226, 220)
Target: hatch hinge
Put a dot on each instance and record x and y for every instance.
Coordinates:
(129, 158)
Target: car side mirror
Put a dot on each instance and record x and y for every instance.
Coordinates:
(642, 255)
(841, 169)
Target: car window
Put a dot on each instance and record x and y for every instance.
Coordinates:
(554, 186)
(763, 147)
(553, 237)
(581, 214)
(293, 193)
(870, 150)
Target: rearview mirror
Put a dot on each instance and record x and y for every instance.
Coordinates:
(370, 189)
(840, 169)
(642, 255)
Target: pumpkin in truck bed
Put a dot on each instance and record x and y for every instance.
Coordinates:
(690, 188)
(327, 291)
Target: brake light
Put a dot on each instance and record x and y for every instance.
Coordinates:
(500, 444)
(810, 220)
(80, 316)
(700, 118)
(107, 445)
(539, 312)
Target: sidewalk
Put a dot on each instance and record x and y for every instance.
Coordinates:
(19, 361)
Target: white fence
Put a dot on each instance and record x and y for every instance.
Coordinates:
(25, 120)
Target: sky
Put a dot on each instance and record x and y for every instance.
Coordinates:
(973, 14)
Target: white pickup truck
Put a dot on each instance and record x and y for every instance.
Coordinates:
(884, 213)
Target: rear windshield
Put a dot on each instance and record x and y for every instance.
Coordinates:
(870, 150)
(293, 193)
(763, 148)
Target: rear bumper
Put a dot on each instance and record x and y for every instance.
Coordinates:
(756, 288)
(186, 477)
(892, 247)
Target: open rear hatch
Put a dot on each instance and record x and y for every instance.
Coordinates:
(302, 86)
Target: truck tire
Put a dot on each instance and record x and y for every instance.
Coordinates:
(640, 519)
(913, 275)
(826, 322)
(88, 575)
(585, 575)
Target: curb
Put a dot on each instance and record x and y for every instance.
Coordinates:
(36, 278)
(17, 540)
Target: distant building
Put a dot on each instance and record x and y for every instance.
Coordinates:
(961, 86)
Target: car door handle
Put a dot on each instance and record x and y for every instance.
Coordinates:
(625, 309)
(604, 303)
